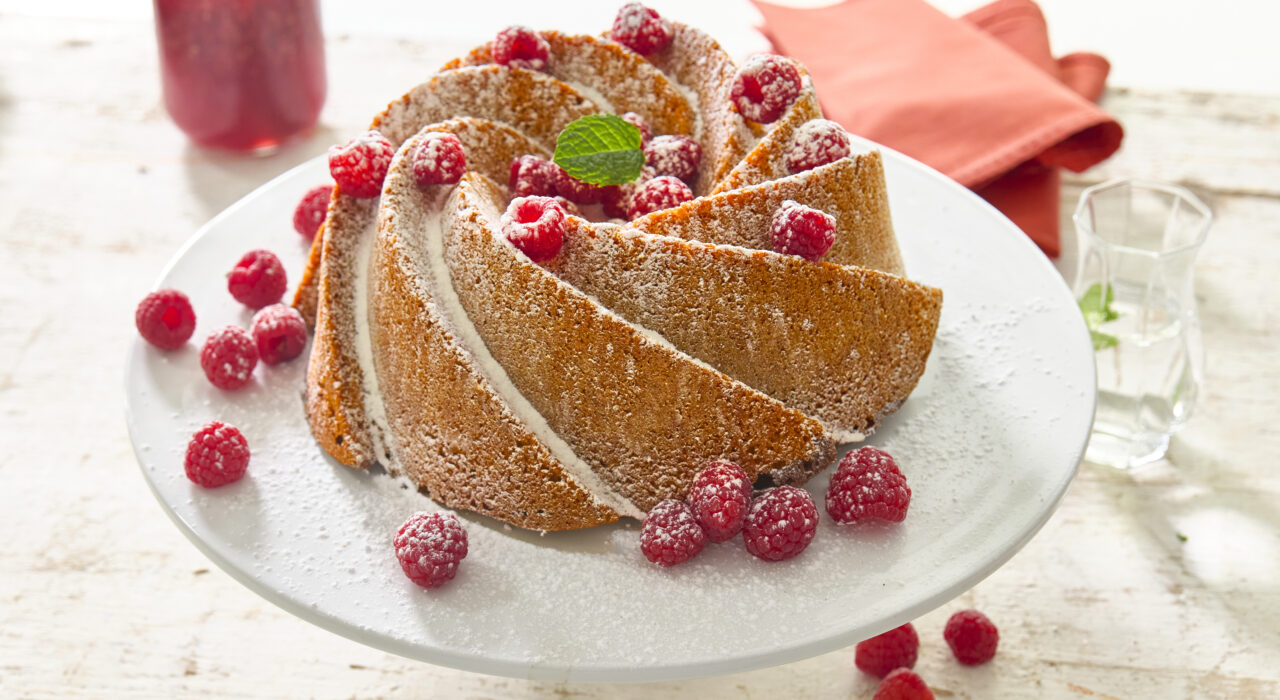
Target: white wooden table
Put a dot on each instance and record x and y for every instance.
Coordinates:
(1164, 583)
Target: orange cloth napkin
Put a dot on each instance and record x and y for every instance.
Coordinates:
(979, 98)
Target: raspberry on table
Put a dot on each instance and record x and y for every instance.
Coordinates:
(661, 192)
(165, 319)
(520, 47)
(228, 357)
(671, 534)
(896, 648)
(311, 210)
(532, 176)
(803, 231)
(217, 455)
(257, 279)
(972, 636)
(279, 333)
(677, 156)
(640, 29)
(764, 87)
(867, 485)
(719, 499)
(429, 547)
(780, 523)
(575, 190)
(360, 165)
(639, 122)
(439, 160)
(535, 225)
(817, 142)
(903, 684)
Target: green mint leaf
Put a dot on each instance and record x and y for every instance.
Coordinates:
(1102, 341)
(1181, 537)
(600, 149)
(1096, 307)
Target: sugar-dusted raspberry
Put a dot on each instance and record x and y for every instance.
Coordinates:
(429, 547)
(764, 87)
(677, 156)
(532, 176)
(535, 225)
(671, 534)
(719, 498)
(903, 684)
(360, 165)
(972, 636)
(661, 192)
(570, 209)
(311, 210)
(279, 333)
(896, 648)
(868, 485)
(216, 455)
(165, 318)
(439, 160)
(258, 279)
(617, 200)
(228, 357)
(803, 231)
(640, 29)
(520, 47)
(575, 190)
(780, 523)
(639, 123)
(817, 142)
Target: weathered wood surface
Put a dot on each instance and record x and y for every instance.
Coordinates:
(101, 596)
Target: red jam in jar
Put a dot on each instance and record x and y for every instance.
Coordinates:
(243, 75)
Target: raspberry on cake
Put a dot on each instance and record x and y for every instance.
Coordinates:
(429, 547)
(896, 648)
(817, 142)
(803, 231)
(765, 86)
(661, 192)
(535, 225)
(360, 165)
(217, 455)
(520, 47)
(532, 176)
(677, 156)
(639, 122)
(439, 160)
(640, 29)
(165, 319)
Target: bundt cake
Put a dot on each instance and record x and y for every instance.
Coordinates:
(589, 386)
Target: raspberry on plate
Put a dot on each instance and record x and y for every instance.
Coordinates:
(803, 231)
(165, 319)
(719, 498)
(279, 333)
(639, 122)
(217, 455)
(228, 357)
(677, 156)
(896, 648)
(972, 636)
(439, 160)
(817, 142)
(360, 165)
(780, 523)
(535, 225)
(532, 176)
(764, 87)
(866, 485)
(662, 192)
(520, 47)
(671, 535)
(258, 279)
(640, 29)
(429, 547)
(311, 210)
(903, 684)
(575, 190)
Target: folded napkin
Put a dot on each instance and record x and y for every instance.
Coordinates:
(979, 98)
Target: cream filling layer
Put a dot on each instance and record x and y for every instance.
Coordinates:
(375, 410)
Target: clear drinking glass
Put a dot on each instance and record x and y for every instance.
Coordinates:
(1135, 285)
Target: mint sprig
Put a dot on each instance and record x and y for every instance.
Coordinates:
(600, 149)
(1096, 307)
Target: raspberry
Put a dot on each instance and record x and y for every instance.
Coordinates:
(677, 156)
(868, 484)
(217, 455)
(575, 190)
(429, 547)
(671, 534)
(640, 29)
(311, 210)
(896, 648)
(803, 231)
(439, 160)
(903, 684)
(639, 123)
(165, 319)
(532, 176)
(228, 357)
(617, 199)
(719, 498)
(764, 87)
(972, 637)
(780, 523)
(570, 209)
(520, 47)
(662, 192)
(258, 279)
(360, 165)
(818, 142)
(279, 332)
(535, 225)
